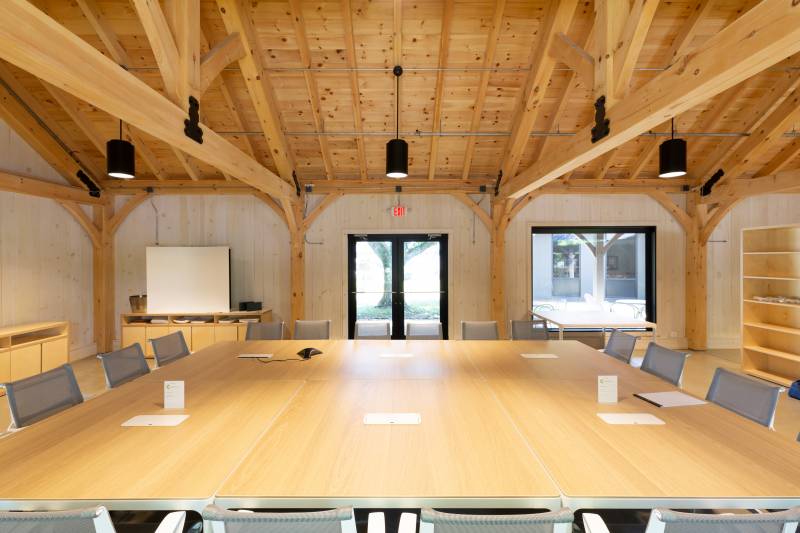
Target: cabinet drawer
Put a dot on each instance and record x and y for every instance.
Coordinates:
(242, 332)
(202, 336)
(26, 361)
(54, 353)
(226, 333)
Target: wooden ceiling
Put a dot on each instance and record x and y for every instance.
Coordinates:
(328, 66)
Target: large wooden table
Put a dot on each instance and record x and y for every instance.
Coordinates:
(592, 320)
(496, 430)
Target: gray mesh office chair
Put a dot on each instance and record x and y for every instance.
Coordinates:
(664, 363)
(424, 331)
(43, 395)
(620, 346)
(77, 521)
(752, 399)
(437, 522)
(529, 330)
(124, 365)
(312, 329)
(479, 331)
(666, 521)
(264, 331)
(373, 330)
(333, 521)
(169, 348)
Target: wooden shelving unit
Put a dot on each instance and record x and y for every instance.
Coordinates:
(771, 330)
(216, 327)
(29, 349)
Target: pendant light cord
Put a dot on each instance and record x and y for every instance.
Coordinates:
(397, 106)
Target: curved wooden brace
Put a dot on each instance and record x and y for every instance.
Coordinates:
(521, 203)
(120, 216)
(267, 199)
(317, 211)
(464, 198)
(681, 216)
(716, 217)
(83, 219)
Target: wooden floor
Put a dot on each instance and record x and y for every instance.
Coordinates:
(699, 371)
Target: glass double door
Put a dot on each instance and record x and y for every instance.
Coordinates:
(397, 279)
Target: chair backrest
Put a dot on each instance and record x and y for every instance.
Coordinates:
(312, 329)
(37, 397)
(424, 331)
(75, 521)
(333, 521)
(124, 365)
(664, 363)
(373, 329)
(479, 331)
(169, 348)
(752, 399)
(264, 331)
(551, 522)
(667, 521)
(620, 345)
(529, 330)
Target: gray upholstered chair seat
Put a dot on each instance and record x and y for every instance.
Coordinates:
(424, 331)
(479, 331)
(312, 329)
(264, 331)
(756, 400)
(522, 330)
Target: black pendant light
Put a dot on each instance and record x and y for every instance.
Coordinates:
(120, 158)
(672, 157)
(397, 148)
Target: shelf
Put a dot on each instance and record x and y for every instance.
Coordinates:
(770, 253)
(778, 278)
(796, 306)
(771, 352)
(770, 376)
(773, 327)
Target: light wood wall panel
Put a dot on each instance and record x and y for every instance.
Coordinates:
(724, 261)
(258, 239)
(326, 267)
(17, 156)
(563, 210)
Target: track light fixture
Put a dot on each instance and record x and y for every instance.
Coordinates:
(397, 148)
(120, 158)
(672, 157)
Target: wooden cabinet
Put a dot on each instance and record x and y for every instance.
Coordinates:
(132, 335)
(5, 366)
(226, 333)
(187, 334)
(153, 332)
(202, 336)
(55, 353)
(29, 349)
(26, 361)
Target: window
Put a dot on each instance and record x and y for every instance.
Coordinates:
(583, 268)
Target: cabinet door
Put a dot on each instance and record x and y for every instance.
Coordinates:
(242, 335)
(55, 353)
(26, 361)
(132, 335)
(226, 333)
(5, 367)
(202, 336)
(187, 334)
(154, 332)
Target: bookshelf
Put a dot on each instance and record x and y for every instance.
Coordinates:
(771, 303)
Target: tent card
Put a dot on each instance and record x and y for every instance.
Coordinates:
(173, 395)
(607, 389)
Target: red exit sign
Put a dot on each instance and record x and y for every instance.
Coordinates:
(399, 211)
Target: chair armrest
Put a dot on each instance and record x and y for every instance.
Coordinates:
(376, 523)
(593, 523)
(408, 523)
(172, 523)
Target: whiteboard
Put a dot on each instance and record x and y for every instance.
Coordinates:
(188, 279)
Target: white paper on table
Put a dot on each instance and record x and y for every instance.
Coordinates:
(538, 356)
(399, 419)
(607, 389)
(155, 420)
(397, 355)
(631, 419)
(669, 399)
(173, 395)
(254, 356)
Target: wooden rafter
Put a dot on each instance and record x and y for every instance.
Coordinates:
(162, 42)
(70, 105)
(444, 49)
(483, 85)
(631, 43)
(780, 160)
(610, 18)
(574, 56)
(143, 151)
(606, 162)
(101, 27)
(762, 37)
(227, 51)
(465, 199)
(350, 52)
(12, 182)
(309, 219)
(688, 30)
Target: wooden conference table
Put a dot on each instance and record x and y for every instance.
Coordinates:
(592, 320)
(496, 430)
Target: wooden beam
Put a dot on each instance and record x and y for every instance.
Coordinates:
(34, 42)
(142, 150)
(103, 288)
(350, 52)
(610, 18)
(696, 273)
(497, 264)
(687, 31)
(606, 162)
(631, 43)
(765, 35)
(484, 217)
(237, 19)
(119, 216)
(742, 188)
(13, 182)
(162, 42)
(444, 50)
(314, 100)
(104, 31)
(191, 169)
(559, 17)
(227, 51)
(80, 216)
(187, 38)
(397, 32)
(319, 209)
(483, 84)
(520, 204)
(564, 49)
(70, 105)
(780, 160)
(680, 216)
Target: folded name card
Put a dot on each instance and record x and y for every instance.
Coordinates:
(607, 389)
(399, 419)
(155, 420)
(173, 395)
(538, 356)
(631, 419)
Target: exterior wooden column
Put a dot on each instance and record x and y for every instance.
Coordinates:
(696, 276)
(497, 265)
(103, 278)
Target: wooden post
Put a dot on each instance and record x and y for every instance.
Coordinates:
(696, 276)
(103, 278)
(498, 263)
(297, 236)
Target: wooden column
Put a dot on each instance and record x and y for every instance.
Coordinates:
(696, 276)
(103, 278)
(297, 237)
(498, 263)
